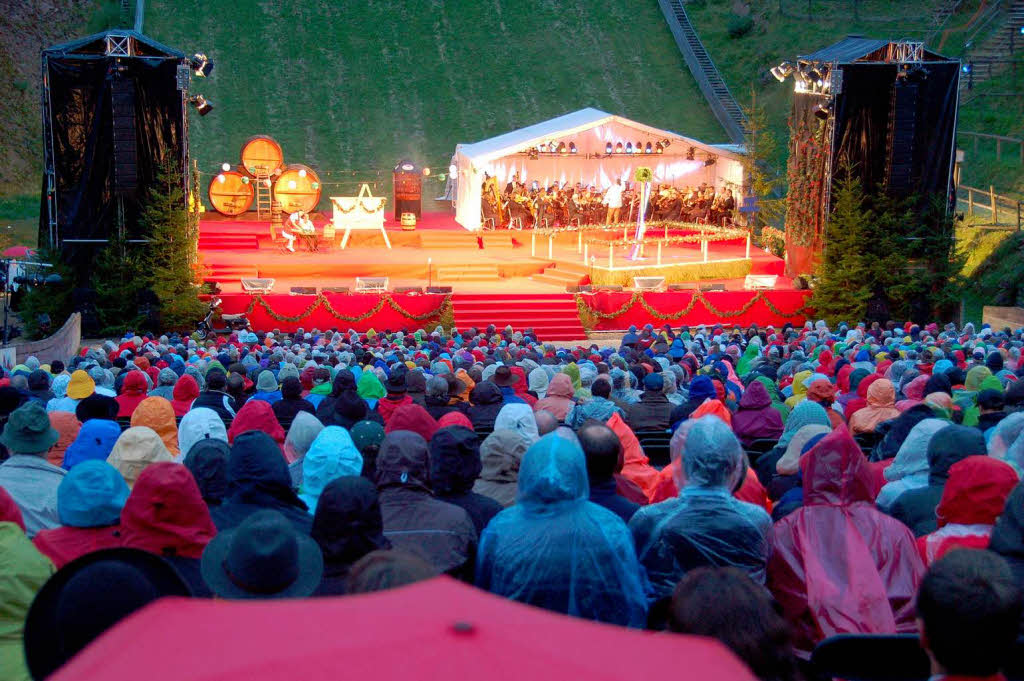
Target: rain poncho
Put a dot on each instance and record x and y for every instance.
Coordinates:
(559, 397)
(705, 525)
(347, 525)
(186, 390)
(520, 418)
(454, 467)
(556, 550)
(909, 469)
(23, 571)
(501, 454)
(67, 425)
(1006, 443)
(839, 565)
(880, 407)
(636, 467)
(200, 424)
(257, 415)
(94, 441)
(756, 418)
(207, 461)
(158, 414)
(165, 514)
(137, 448)
(332, 455)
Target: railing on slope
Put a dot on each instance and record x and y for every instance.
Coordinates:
(713, 87)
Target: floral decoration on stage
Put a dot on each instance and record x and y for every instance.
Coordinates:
(441, 312)
(367, 205)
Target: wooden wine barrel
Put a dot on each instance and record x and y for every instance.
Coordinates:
(231, 192)
(297, 188)
(264, 151)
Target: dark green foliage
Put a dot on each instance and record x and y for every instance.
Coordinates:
(53, 300)
(843, 286)
(117, 277)
(761, 176)
(739, 26)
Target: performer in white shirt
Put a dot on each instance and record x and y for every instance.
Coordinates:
(301, 225)
(613, 199)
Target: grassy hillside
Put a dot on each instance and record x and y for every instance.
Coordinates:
(356, 86)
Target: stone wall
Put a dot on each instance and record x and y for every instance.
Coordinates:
(60, 345)
(1000, 317)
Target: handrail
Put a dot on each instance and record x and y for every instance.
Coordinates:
(999, 143)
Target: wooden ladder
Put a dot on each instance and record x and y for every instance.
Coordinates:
(263, 193)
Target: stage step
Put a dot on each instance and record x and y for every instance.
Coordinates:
(224, 242)
(562, 275)
(551, 316)
(468, 273)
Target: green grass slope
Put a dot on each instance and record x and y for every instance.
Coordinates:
(352, 87)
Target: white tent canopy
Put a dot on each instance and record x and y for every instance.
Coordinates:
(591, 131)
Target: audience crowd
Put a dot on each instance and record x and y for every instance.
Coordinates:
(770, 487)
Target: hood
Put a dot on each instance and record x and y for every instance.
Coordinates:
(369, 386)
(486, 393)
(912, 457)
(915, 389)
(455, 418)
(91, 495)
(39, 380)
(835, 472)
(200, 424)
(798, 382)
(976, 491)
(351, 406)
(975, 376)
(256, 415)
(137, 448)
(291, 388)
(95, 440)
(344, 381)
(347, 524)
(332, 455)
(186, 389)
(755, 397)
(501, 454)
(158, 414)
(949, 445)
(454, 461)
(303, 431)
(207, 461)
(553, 470)
(134, 384)
(804, 414)
(256, 468)
(520, 418)
(67, 426)
(881, 394)
(561, 386)
(165, 513)
(403, 460)
(414, 418)
(539, 381)
(1008, 535)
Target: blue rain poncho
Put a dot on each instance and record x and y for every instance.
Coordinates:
(556, 550)
(705, 525)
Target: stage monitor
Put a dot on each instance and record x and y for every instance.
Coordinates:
(408, 289)
(712, 287)
(371, 284)
(689, 286)
(258, 285)
(754, 282)
(648, 283)
(335, 289)
(439, 289)
(303, 290)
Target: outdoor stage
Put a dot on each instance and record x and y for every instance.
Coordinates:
(500, 278)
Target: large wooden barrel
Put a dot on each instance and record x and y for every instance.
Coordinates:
(264, 151)
(297, 188)
(231, 192)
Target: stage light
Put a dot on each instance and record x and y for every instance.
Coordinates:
(660, 148)
(291, 184)
(822, 111)
(689, 153)
(542, 147)
(666, 142)
(639, 148)
(562, 149)
(225, 167)
(426, 172)
(782, 70)
(967, 68)
(608, 148)
(202, 105)
(711, 160)
(648, 149)
(452, 170)
(201, 65)
(618, 148)
(629, 147)
(315, 185)
(221, 178)
(302, 172)
(572, 147)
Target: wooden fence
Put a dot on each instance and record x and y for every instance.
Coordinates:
(996, 205)
(1000, 141)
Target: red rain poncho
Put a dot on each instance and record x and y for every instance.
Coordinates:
(839, 565)
(133, 391)
(165, 513)
(636, 466)
(257, 415)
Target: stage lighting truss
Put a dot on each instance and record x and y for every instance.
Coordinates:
(814, 78)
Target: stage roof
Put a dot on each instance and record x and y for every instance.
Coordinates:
(95, 45)
(855, 48)
(567, 125)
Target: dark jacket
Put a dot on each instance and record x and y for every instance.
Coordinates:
(757, 418)
(291, 403)
(346, 410)
(437, 406)
(220, 402)
(916, 508)
(347, 525)
(454, 467)
(344, 382)
(895, 431)
(1008, 536)
(258, 479)
(652, 412)
(414, 520)
(487, 402)
(606, 494)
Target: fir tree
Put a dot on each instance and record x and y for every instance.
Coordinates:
(759, 176)
(844, 279)
(117, 277)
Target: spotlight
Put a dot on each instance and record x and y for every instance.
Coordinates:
(660, 149)
(618, 148)
(711, 160)
(225, 167)
(648, 149)
(532, 154)
(629, 147)
(822, 111)
(426, 172)
(302, 172)
(967, 68)
(608, 148)
(201, 65)
(452, 169)
(639, 148)
(245, 180)
(542, 147)
(562, 149)
(202, 105)
(315, 185)
(689, 153)
(782, 70)
(572, 147)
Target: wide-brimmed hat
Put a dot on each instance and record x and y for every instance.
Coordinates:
(503, 377)
(81, 385)
(396, 382)
(264, 557)
(28, 430)
(88, 596)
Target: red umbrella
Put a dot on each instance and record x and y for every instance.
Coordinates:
(441, 629)
(18, 252)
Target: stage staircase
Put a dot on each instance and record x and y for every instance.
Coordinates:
(712, 85)
(562, 274)
(994, 53)
(444, 239)
(553, 316)
(227, 242)
(450, 273)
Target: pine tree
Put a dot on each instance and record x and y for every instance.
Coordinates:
(759, 177)
(844, 281)
(118, 275)
(171, 254)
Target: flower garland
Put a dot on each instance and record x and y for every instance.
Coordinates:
(714, 237)
(361, 203)
(618, 227)
(698, 297)
(441, 311)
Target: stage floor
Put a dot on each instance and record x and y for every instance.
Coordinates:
(497, 277)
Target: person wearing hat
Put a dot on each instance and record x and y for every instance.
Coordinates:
(505, 379)
(265, 557)
(396, 396)
(653, 411)
(79, 387)
(30, 480)
(78, 603)
(266, 388)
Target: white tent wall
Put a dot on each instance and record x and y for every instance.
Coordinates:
(590, 130)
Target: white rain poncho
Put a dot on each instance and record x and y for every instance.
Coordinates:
(556, 550)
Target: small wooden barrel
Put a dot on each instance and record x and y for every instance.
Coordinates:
(297, 188)
(262, 151)
(408, 221)
(231, 192)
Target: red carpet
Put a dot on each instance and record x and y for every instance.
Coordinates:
(494, 277)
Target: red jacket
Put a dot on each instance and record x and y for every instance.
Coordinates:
(165, 513)
(133, 391)
(63, 544)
